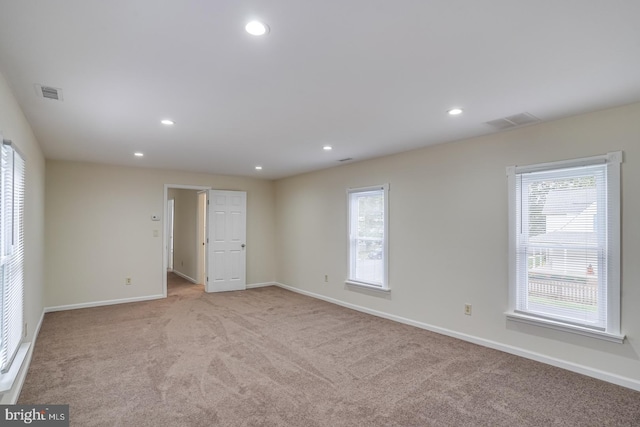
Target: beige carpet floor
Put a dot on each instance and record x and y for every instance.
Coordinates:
(270, 357)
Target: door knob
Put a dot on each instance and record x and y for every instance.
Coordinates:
(242, 246)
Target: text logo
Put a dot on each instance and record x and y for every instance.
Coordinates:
(34, 415)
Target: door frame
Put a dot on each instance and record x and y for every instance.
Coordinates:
(165, 241)
(201, 238)
(170, 213)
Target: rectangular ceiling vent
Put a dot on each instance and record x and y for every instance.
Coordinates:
(513, 121)
(49, 92)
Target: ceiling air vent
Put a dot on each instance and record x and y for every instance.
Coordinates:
(49, 92)
(513, 121)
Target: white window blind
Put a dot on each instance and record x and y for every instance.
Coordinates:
(566, 243)
(368, 234)
(12, 187)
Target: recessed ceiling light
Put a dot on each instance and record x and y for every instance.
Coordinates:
(258, 168)
(167, 122)
(257, 28)
(455, 111)
(138, 154)
(327, 148)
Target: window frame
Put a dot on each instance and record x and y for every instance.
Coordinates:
(13, 252)
(611, 331)
(351, 279)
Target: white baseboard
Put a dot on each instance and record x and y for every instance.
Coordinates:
(260, 285)
(101, 303)
(570, 366)
(184, 276)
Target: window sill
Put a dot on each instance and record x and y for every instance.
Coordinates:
(558, 326)
(367, 286)
(8, 378)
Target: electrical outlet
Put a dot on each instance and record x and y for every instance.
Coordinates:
(467, 309)
(127, 281)
(326, 278)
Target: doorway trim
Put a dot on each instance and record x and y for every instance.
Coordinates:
(201, 238)
(165, 241)
(170, 212)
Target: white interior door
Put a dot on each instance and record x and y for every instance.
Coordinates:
(226, 254)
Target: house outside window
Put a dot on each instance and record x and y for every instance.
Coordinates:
(564, 245)
(368, 236)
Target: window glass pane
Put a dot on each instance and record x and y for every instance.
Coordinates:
(367, 237)
(12, 255)
(562, 243)
(563, 283)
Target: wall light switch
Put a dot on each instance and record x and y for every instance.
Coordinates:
(156, 233)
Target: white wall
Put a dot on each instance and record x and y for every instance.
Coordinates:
(99, 229)
(185, 253)
(448, 234)
(14, 126)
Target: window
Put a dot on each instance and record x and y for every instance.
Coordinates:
(564, 231)
(368, 236)
(12, 180)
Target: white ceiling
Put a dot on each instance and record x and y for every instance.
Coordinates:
(370, 77)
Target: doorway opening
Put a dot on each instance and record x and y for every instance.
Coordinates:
(205, 238)
(181, 241)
